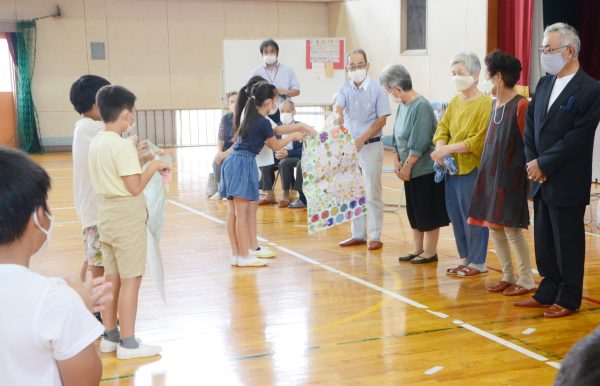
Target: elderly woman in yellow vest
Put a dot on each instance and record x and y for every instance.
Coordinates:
(461, 135)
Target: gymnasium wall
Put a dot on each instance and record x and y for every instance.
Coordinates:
(452, 26)
(168, 52)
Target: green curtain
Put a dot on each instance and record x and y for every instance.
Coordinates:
(27, 127)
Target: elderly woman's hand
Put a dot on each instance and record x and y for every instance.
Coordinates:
(439, 153)
(405, 172)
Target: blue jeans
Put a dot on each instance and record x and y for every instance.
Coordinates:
(471, 241)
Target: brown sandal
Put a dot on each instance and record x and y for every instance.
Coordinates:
(500, 286)
(517, 290)
(454, 271)
(469, 272)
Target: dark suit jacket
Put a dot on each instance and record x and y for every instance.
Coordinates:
(562, 139)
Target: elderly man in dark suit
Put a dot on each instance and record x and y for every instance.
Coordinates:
(559, 137)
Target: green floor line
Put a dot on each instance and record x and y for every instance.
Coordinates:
(357, 341)
(118, 377)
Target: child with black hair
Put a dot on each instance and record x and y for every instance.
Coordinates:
(47, 331)
(244, 95)
(117, 176)
(239, 180)
(83, 97)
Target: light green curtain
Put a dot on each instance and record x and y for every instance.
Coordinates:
(27, 127)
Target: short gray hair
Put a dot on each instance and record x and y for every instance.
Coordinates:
(291, 103)
(356, 51)
(395, 75)
(568, 34)
(470, 60)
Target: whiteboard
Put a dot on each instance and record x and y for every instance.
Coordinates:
(240, 57)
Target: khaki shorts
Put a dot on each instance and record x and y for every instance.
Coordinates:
(91, 246)
(122, 227)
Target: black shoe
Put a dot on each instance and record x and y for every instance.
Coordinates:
(425, 260)
(408, 257)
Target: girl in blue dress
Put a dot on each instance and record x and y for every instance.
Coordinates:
(239, 179)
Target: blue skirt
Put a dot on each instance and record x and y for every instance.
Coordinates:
(239, 176)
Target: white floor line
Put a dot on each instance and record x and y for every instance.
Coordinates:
(438, 314)
(433, 370)
(198, 212)
(528, 331)
(354, 278)
(392, 294)
(504, 342)
(554, 364)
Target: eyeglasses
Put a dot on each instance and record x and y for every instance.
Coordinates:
(360, 66)
(548, 50)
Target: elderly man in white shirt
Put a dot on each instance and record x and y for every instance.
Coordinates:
(362, 106)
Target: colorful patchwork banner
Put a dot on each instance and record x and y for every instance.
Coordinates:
(332, 184)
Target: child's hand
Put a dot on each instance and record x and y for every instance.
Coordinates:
(161, 167)
(142, 146)
(309, 131)
(134, 139)
(95, 293)
(298, 136)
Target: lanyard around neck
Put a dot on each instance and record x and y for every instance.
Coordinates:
(272, 80)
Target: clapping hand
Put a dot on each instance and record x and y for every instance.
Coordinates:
(95, 293)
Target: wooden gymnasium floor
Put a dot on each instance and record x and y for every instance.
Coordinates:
(320, 314)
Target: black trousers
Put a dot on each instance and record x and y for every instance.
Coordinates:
(559, 253)
(267, 178)
(286, 170)
(298, 182)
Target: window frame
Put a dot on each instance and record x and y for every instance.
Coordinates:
(404, 30)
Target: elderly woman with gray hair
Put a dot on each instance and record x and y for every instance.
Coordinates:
(461, 135)
(413, 133)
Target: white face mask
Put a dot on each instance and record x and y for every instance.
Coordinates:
(553, 63)
(358, 76)
(269, 59)
(462, 83)
(47, 232)
(396, 99)
(273, 109)
(487, 86)
(132, 126)
(287, 118)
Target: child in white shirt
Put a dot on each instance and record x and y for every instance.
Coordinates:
(47, 332)
(83, 97)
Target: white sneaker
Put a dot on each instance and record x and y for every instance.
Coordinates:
(108, 346)
(233, 260)
(215, 197)
(144, 351)
(263, 253)
(250, 261)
